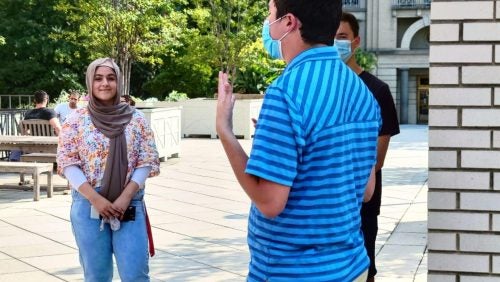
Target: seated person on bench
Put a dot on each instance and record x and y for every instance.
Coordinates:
(39, 112)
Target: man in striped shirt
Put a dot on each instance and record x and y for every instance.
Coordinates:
(313, 150)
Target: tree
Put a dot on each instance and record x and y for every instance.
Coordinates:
(258, 69)
(126, 30)
(228, 27)
(31, 60)
(217, 34)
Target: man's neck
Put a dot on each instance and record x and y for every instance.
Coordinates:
(354, 66)
(39, 106)
(301, 47)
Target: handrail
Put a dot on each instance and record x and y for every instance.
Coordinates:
(10, 120)
(411, 4)
(353, 4)
(9, 125)
(14, 101)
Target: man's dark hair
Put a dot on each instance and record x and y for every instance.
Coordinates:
(352, 21)
(40, 95)
(129, 100)
(75, 93)
(318, 18)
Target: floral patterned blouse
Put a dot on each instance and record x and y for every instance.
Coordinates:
(82, 144)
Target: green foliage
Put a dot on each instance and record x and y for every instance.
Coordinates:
(151, 100)
(175, 45)
(365, 59)
(186, 73)
(176, 96)
(30, 59)
(257, 70)
(126, 30)
(192, 70)
(214, 39)
(226, 27)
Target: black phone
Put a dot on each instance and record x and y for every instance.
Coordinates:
(129, 214)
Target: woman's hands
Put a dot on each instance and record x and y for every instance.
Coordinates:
(125, 198)
(104, 207)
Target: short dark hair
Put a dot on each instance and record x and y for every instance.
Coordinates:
(352, 21)
(75, 93)
(40, 95)
(129, 100)
(318, 18)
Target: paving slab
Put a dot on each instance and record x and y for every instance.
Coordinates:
(199, 216)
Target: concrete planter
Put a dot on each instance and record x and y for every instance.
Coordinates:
(166, 125)
(198, 115)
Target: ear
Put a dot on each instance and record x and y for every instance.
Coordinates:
(356, 42)
(292, 22)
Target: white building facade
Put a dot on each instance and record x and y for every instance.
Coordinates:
(397, 32)
(464, 142)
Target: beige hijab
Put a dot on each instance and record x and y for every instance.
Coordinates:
(111, 121)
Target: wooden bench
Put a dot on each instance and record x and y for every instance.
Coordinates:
(36, 169)
(39, 157)
(36, 127)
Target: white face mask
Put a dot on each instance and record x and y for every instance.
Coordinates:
(344, 48)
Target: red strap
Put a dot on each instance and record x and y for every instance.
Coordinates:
(150, 234)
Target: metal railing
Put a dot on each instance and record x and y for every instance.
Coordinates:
(9, 125)
(411, 4)
(353, 4)
(15, 101)
(9, 121)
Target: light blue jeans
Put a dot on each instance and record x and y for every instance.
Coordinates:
(129, 244)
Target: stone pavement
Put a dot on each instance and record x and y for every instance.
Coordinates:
(199, 217)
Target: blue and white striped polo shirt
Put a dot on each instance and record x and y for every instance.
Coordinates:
(317, 133)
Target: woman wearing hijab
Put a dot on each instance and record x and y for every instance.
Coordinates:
(106, 151)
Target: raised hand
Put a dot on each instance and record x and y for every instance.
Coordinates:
(225, 105)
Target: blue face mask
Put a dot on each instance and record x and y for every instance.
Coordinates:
(344, 47)
(272, 46)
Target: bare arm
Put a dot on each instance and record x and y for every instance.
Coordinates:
(370, 186)
(269, 197)
(54, 122)
(382, 146)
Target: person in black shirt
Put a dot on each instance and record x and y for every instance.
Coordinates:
(42, 112)
(39, 112)
(347, 40)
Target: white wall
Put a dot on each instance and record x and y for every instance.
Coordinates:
(464, 142)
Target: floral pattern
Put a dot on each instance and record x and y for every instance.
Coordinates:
(82, 144)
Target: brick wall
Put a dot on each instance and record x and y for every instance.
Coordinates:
(464, 141)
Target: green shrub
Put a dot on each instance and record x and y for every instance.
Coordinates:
(365, 59)
(175, 96)
(257, 71)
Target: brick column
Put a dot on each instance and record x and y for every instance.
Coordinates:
(464, 142)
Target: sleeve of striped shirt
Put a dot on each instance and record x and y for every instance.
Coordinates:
(274, 154)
